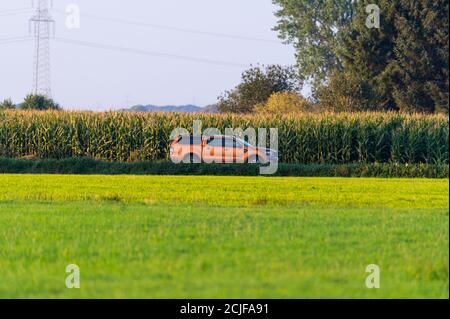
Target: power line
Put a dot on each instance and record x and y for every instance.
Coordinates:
(14, 40)
(12, 12)
(175, 29)
(149, 53)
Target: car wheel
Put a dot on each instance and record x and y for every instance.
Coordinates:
(253, 160)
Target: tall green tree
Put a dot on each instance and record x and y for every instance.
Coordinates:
(405, 61)
(402, 65)
(421, 56)
(313, 27)
(366, 54)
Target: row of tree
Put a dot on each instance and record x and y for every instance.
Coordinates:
(400, 63)
(31, 102)
(355, 55)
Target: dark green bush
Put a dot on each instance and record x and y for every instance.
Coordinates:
(90, 166)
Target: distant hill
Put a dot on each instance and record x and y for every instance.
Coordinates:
(211, 109)
(189, 108)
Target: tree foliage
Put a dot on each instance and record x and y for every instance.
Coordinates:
(345, 92)
(39, 102)
(7, 104)
(313, 27)
(405, 61)
(421, 56)
(257, 85)
(403, 65)
(285, 103)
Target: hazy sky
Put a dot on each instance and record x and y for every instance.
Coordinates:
(99, 79)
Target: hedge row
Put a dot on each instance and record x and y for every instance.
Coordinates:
(90, 166)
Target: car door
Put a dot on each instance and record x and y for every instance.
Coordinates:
(214, 150)
(229, 150)
(239, 152)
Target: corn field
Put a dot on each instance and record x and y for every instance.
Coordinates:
(305, 138)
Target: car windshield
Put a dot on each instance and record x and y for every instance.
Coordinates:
(243, 142)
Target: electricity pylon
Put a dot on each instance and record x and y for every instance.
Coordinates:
(41, 26)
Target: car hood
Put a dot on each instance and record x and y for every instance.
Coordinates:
(264, 149)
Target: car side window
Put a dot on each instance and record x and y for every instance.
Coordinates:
(229, 142)
(215, 142)
(190, 140)
(239, 144)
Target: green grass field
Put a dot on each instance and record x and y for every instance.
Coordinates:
(222, 237)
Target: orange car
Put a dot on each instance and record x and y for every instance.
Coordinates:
(218, 149)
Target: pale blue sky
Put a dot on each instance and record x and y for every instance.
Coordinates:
(97, 79)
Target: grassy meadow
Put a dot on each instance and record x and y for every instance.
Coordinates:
(222, 237)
